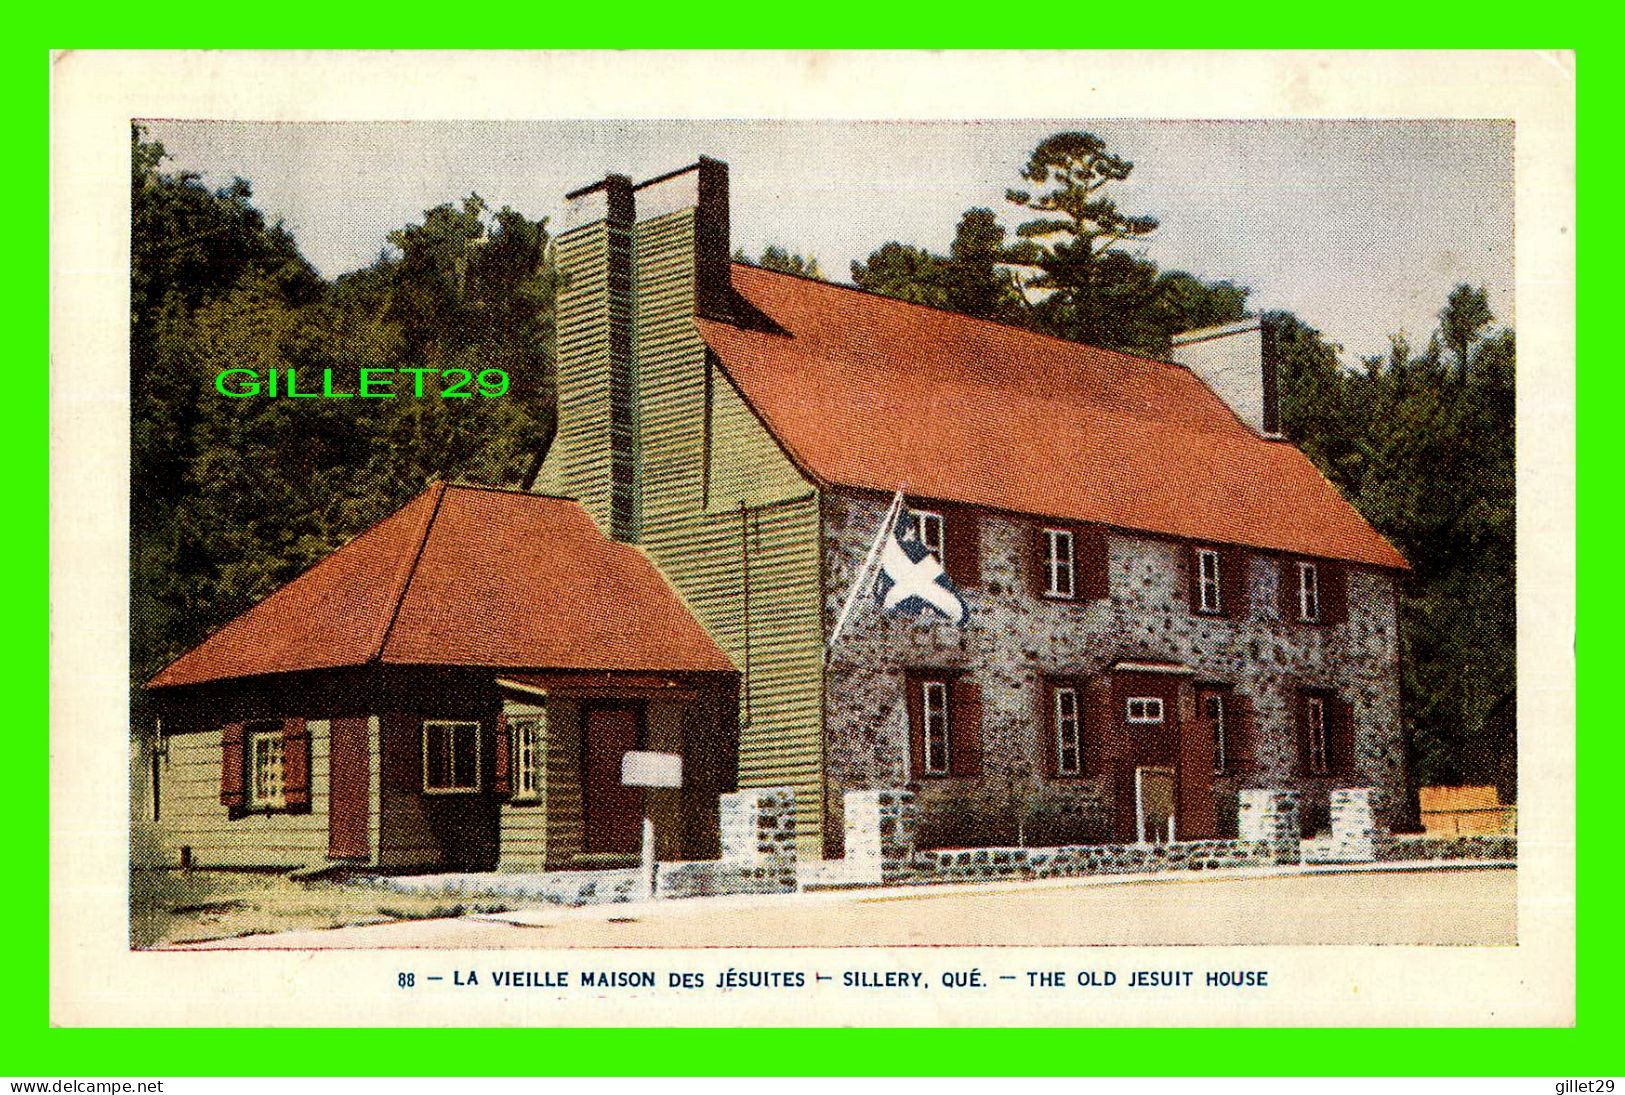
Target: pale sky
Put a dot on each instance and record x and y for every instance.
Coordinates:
(1360, 228)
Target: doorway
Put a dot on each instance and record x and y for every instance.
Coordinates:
(612, 814)
(1146, 728)
(1154, 805)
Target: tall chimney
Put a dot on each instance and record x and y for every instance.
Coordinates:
(1237, 361)
(703, 188)
(596, 356)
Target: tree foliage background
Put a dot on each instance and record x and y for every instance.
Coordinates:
(232, 497)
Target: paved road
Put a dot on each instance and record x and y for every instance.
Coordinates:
(1449, 907)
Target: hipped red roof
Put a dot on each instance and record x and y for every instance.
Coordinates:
(466, 576)
(866, 391)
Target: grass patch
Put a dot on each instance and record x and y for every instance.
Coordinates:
(175, 906)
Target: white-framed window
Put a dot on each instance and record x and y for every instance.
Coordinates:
(529, 751)
(451, 756)
(1068, 738)
(266, 751)
(1213, 708)
(1314, 713)
(1144, 709)
(1060, 563)
(1208, 595)
(1308, 592)
(929, 527)
(934, 726)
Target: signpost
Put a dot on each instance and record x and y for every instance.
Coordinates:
(640, 768)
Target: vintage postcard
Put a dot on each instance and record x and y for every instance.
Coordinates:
(992, 557)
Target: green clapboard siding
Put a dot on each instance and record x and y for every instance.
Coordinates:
(722, 511)
(578, 463)
(190, 813)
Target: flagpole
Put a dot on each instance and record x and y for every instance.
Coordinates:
(864, 572)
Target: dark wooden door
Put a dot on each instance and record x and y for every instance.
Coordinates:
(348, 778)
(1145, 721)
(611, 813)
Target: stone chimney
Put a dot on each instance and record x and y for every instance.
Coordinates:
(1237, 361)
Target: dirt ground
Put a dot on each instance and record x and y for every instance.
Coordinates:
(171, 906)
(1442, 907)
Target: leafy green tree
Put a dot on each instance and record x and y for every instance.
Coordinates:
(974, 277)
(1423, 444)
(778, 258)
(1074, 241)
(1462, 321)
(232, 497)
(905, 272)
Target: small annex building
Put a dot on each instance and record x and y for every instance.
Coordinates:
(454, 689)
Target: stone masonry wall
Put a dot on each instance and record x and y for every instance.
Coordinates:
(1272, 817)
(1013, 639)
(1356, 837)
(758, 829)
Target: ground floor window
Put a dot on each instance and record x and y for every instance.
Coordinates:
(1314, 711)
(1068, 737)
(451, 753)
(266, 752)
(934, 711)
(528, 736)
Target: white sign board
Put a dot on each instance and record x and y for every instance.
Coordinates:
(642, 769)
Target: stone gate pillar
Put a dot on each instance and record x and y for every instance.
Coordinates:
(758, 824)
(880, 833)
(1356, 833)
(1271, 815)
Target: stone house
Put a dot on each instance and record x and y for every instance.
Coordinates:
(1169, 603)
(454, 689)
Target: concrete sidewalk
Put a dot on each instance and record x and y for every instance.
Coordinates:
(1458, 903)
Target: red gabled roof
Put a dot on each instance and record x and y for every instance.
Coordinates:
(465, 576)
(866, 391)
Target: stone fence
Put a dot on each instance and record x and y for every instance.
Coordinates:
(758, 840)
(880, 842)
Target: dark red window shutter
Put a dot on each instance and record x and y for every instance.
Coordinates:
(231, 765)
(1097, 725)
(965, 729)
(1049, 748)
(501, 775)
(1340, 736)
(1300, 719)
(1195, 775)
(1037, 565)
(1233, 563)
(1334, 593)
(1094, 577)
(1288, 590)
(915, 702)
(962, 545)
(1193, 576)
(1241, 740)
(295, 764)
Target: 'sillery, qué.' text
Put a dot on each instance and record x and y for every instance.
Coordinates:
(368, 383)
